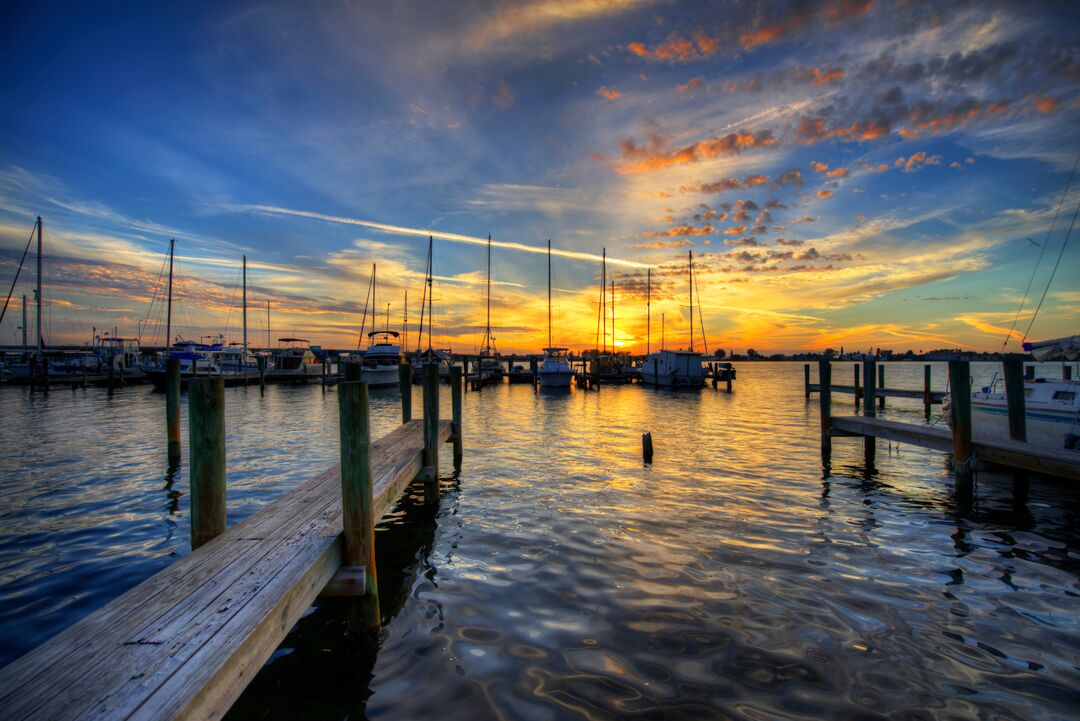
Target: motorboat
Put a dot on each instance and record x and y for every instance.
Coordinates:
(379, 367)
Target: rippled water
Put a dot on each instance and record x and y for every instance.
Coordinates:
(561, 578)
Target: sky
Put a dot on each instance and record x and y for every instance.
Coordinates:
(846, 173)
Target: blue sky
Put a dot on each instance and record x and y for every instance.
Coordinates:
(847, 173)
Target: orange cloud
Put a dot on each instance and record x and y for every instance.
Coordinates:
(761, 36)
(697, 83)
(1046, 104)
(609, 93)
(917, 161)
(938, 120)
(837, 173)
(735, 230)
(656, 244)
(812, 130)
(677, 48)
(824, 194)
(819, 167)
(835, 12)
(656, 155)
(824, 77)
(725, 184)
(681, 230)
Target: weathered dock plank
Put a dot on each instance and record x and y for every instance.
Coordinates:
(1013, 454)
(935, 396)
(185, 642)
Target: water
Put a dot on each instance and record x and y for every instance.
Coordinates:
(561, 578)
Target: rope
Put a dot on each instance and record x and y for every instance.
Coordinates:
(12, 290)
(1064, 244)
(1042, 249)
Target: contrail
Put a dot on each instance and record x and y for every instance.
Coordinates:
(442, 235)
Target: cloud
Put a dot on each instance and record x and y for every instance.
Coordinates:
(799, 15)
(819, 76)
(790, 242)
(512, 20)
(677, 49)
(819, 167)
(697, 83)
(735, 230)
(935, 117)
(503, 97)
(1046, 104)
(423, 233)
(657, 244)
(813, 130)
(837, 173)
(681, 230)
(917, 161)
(824, 194)
(609, 93)
(788, 177)
(725, 184)
(747, 242)
(656, 154)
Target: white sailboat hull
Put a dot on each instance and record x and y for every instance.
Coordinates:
(1051, 412)
(381, 377)
(673, 369)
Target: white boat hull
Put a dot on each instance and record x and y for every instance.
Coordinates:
(673, 369)
(556, 379)
(382, 377)
(1051, 412)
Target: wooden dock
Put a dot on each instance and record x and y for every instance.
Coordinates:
(1013, 453)
(187, 641)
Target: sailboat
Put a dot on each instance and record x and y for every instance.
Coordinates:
(555, 371)
(676, 368)
(430, 354)
(490, 368)
(379, 367)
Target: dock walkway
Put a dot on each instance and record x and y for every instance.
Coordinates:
(185, 642)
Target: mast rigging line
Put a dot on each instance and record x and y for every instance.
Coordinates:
(19, 270)
(1038, 261)
(1050, 280)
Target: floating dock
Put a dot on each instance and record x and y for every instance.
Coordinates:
(186, 642)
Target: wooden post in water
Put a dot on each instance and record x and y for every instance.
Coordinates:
(1013, 370)
(825, 401)
(206, 444)
(262, 372)
(927, 395)
(172, 407)
(869, 410)
(881, 385)
(455, 405)
(431, 433)
(646, 447)
(858, 389)
(806, 380)
(352, 371)
(358, 525)
(405, 386)
(960, 401)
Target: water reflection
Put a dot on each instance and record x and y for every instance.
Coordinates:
(738, 575)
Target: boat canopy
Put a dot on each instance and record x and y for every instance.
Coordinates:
(293, 340)
(383, 332)
(1057, 349)
(555, 350)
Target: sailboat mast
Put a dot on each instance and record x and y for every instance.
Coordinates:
(374, 306)
(613, 315)
(549, 294)
(267, 324)
(168, 313)
(603, 295)
(39, 344)
(661, 331)
(245, 310)
(24, 323)
(430, 295)
(691, 300)
(405, 326)
(487, 330)
(648, 312)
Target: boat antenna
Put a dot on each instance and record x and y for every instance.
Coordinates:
(1042, 249)
(387, 317)
(25, 251)
(245, 312)
(40, 345)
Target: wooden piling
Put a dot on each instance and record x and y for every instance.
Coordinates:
(927, 396)
(806, 380)
(172, 408)
(206, 443)
(869, 410)
(1013, 371)
(352, 372)
(455, 405)
(262, 372)
(960, 402)
(405, 386)
(825, 400)
(881, 384)
(646, 447)
(431, 433)
(358, 525)
(858, 388)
